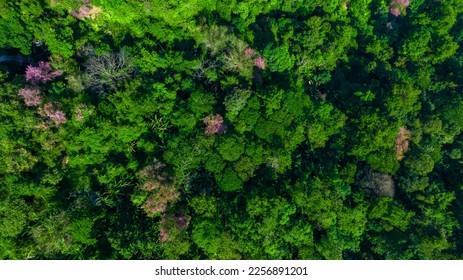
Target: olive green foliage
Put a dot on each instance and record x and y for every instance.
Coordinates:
(339, 130)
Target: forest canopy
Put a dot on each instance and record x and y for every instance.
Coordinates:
(224, 129)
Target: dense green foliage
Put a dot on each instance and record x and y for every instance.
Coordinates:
(224, 129)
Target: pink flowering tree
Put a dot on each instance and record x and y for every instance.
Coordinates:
(81, 13)
(398, 7)
(163, 234)
(259, 63)
(157, 189)
(87, 10)
(49, 111)
(214, 125)
(42, 73)
(249, 52)
(31, 96)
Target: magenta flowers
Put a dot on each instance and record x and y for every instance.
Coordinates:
(51, 112)
(214, 125)
(41, 73)
(397, 6)
(249, 51)
(259, 63)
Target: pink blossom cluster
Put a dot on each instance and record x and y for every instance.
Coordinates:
(82, 12)
(249, 51)
(41, 73)
(259, 63)
(31, 96)
(85, 11)
(163, 235)
(214, 125)
(395, 10)
(55, 115)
